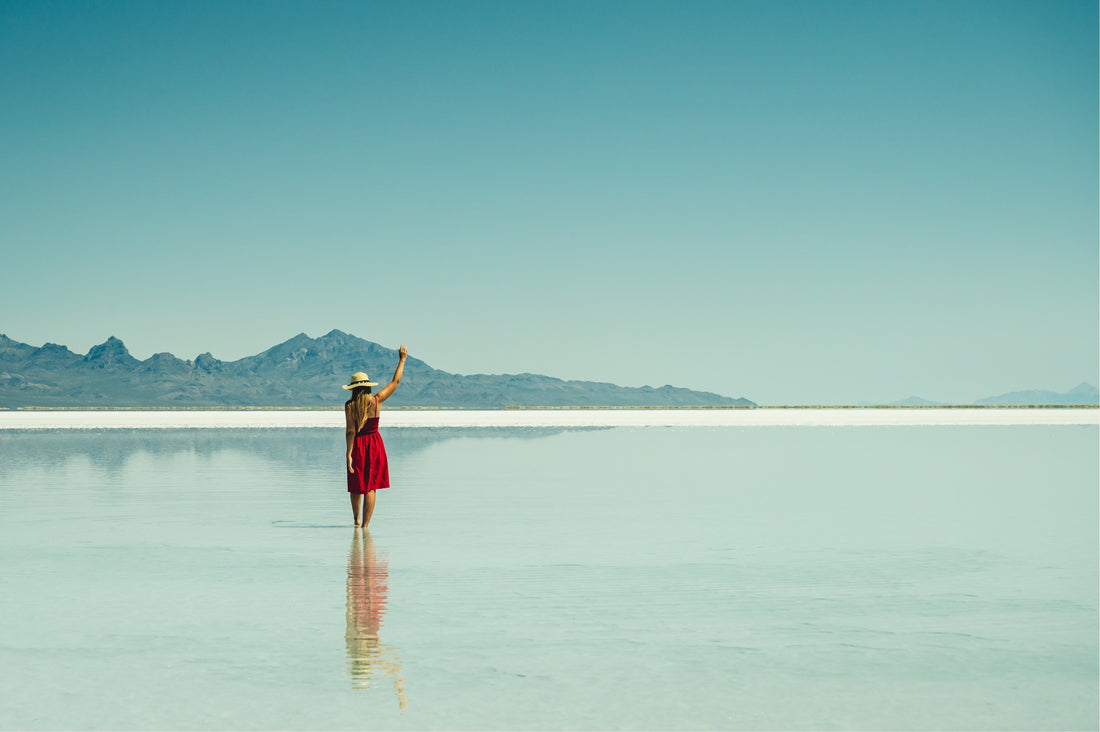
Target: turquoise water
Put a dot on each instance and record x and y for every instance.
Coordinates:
(639, 578)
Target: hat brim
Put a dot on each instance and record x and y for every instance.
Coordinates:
(357, 384)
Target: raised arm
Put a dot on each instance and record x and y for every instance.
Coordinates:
(389, 388)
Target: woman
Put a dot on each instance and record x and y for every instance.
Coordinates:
(368, 469)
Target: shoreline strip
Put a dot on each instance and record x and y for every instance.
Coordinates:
(789, 417)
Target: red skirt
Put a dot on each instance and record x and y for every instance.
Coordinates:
(368, 457)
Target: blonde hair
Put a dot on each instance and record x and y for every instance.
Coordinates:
(360, 402)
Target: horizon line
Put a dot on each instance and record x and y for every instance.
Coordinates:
(410, 408)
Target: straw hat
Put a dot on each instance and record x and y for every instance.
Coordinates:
(360, 379)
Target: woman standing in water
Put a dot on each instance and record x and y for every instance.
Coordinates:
(368, 469)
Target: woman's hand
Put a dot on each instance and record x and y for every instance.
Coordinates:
(351, 468)
(403, 351)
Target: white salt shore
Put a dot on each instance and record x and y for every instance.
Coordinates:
(823, 417)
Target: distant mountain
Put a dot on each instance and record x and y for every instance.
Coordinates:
(302, 372)
(1083, 393)
(914, 401)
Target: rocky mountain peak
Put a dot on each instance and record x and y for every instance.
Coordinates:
(111, 353)
(15, 348)
(207, 362)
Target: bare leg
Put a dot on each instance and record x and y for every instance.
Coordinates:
(357, 507)
(370, 506)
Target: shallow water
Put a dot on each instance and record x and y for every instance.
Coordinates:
(656, 578)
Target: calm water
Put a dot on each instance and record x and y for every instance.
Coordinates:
(689, 577)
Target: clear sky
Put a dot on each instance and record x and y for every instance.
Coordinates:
(796, 202)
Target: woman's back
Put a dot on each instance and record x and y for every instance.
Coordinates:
(363, 408)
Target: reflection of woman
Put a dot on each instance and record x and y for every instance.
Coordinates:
(368, 468)
(366, 603)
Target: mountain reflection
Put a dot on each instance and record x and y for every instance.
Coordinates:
(312, 449)
(368, 578)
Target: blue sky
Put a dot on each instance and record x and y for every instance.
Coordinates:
(797, 202)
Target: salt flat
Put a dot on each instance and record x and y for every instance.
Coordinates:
(551, 578)
(821, 417)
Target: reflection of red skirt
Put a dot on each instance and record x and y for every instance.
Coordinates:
(368, 456)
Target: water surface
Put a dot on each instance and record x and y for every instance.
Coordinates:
(650, 578)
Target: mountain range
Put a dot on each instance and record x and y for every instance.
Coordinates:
(1082, 394)
(301, 372)
(308, 372)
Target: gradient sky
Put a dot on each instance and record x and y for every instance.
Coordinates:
(796, 202)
